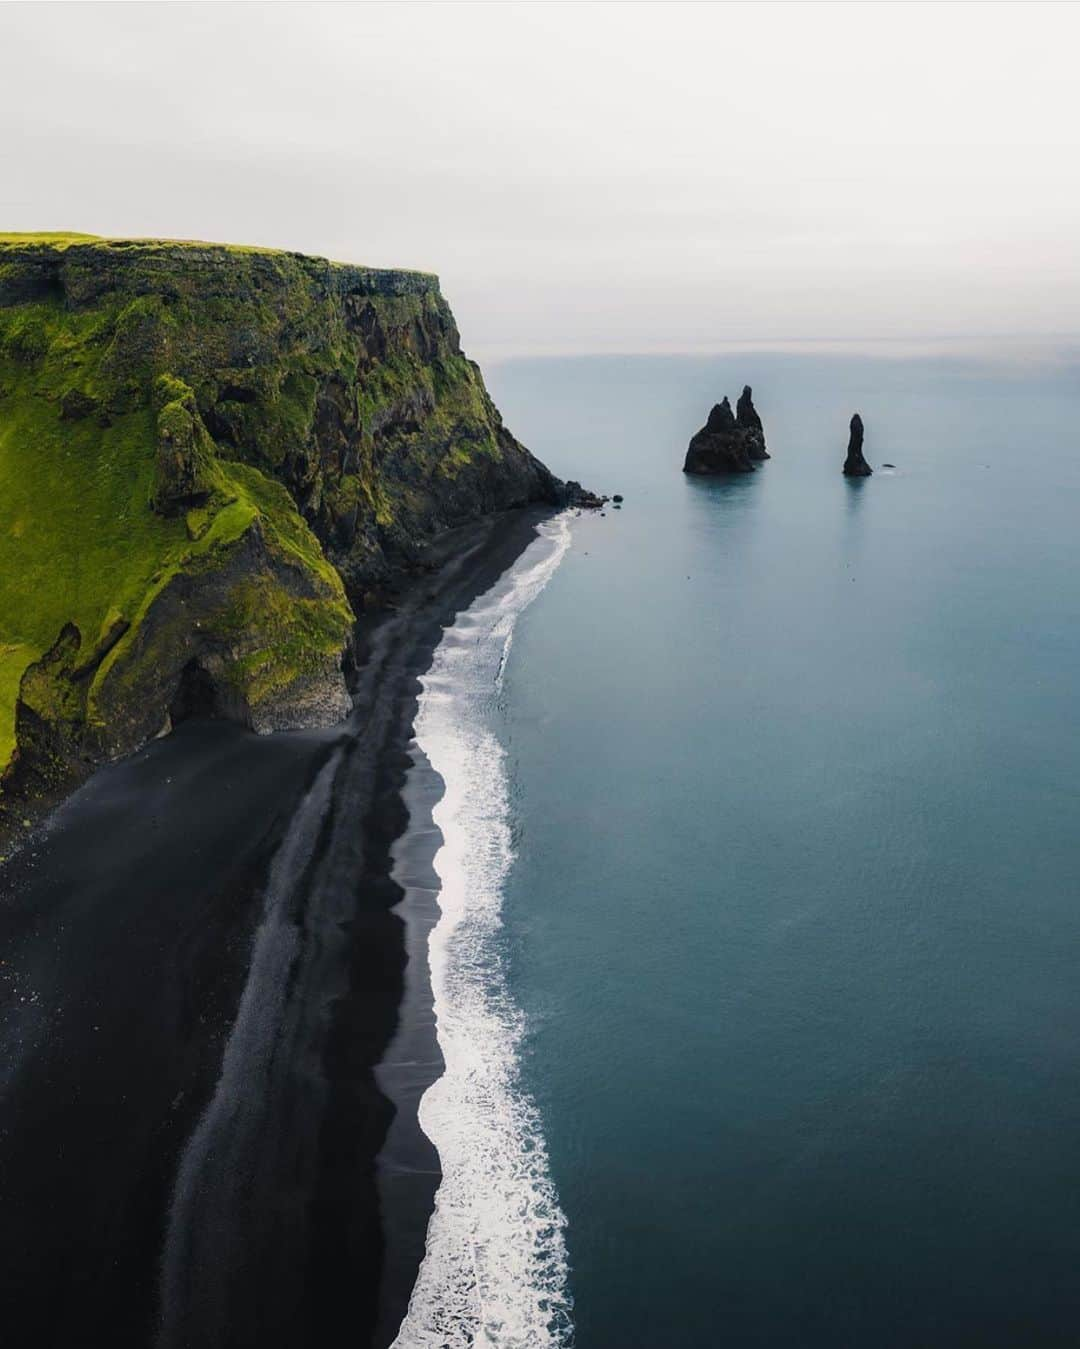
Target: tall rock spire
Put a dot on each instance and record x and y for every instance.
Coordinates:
(855, 466)
(749, 423)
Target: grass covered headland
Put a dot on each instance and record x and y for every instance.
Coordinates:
(211, 460)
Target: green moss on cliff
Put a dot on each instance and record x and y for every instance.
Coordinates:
(58, 239)
(79, 541)
(77, 538)
(14, 658)
(198, 444)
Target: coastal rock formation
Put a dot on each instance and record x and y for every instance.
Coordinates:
(729, 442)
(573, 494)
(855, 466)
(212, 460)
(748, 421)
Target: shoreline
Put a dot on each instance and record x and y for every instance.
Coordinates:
(466, 1150)
(408, 1171)
(127, 957)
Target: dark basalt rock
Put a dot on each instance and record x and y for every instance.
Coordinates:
(749, 423)
(718, 447)
(573, 494)
(855, 466)
(75, 404)
(729, 442)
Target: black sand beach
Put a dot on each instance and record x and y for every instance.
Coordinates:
(201, 974)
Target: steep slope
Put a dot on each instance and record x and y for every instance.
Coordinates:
(211, 459)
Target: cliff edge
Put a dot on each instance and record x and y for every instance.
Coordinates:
(212, 459)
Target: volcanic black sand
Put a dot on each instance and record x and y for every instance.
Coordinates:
(201, 973)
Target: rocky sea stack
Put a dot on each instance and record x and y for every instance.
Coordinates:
(212, 459)
(729, 442)
(855, 466)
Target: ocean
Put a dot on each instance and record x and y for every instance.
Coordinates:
(756, 966)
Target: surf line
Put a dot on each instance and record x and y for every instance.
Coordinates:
(495, 1267)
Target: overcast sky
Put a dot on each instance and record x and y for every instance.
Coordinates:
(583, 178)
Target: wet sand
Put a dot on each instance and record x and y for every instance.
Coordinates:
(201, 973)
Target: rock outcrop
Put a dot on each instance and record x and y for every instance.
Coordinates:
(573, 494)
(729, 442)
(855, 466)
(749, 423)
(212, 459)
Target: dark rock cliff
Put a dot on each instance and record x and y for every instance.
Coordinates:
(211, 460)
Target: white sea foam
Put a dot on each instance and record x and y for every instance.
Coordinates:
(495, 1270)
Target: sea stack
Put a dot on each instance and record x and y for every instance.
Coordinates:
(729, 442)
(749, 423)
(855, 466)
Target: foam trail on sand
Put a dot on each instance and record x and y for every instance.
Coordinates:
(495, 1270)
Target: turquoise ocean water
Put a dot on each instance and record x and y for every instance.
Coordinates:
(792, 923)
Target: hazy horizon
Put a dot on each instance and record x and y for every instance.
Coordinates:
(585, 178)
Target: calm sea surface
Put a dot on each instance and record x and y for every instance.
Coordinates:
(794, 918)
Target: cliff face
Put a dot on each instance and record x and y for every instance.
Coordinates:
(211, 460)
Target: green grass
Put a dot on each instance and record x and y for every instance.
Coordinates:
(78, 539)
(54, 238)
(14, 658)
(64, 239)
(61, 239)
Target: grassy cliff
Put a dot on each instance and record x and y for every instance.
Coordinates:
(211, 459)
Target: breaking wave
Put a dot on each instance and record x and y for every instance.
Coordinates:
(495, 1268)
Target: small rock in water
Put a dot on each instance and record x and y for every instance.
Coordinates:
(617, 498)
(888, 466)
